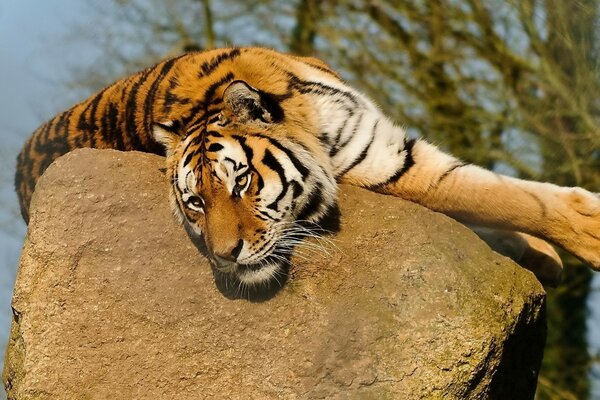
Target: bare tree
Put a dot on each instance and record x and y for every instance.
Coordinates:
(512, 86)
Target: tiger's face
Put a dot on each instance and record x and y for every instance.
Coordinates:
(246, 186)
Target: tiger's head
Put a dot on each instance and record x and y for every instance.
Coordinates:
(248, 180)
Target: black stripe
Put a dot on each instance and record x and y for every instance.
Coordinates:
(46, 146)
(209, 66)
(406, 165)
(51, 143)
(249, 155)
(272, 104)
(265, 214)
(212, 113)
(215, 104)
(64, 146)
(131, 111)
(260, 183)
(213, 119)
(103, 132)
(79, 140)
(170, 99)
(363, 154)
(214, 147)
(232, 162)
(539, 201)
(194, 125)
(324, 139)
(262, 218)
(247, 149)
(269, 250)
(65, 130)
(196, 138)
(23, 164)
(457, 164)
(86, 124)
(313, 204)
(319, 88)
(44, 163)
(113, 115)
(188, 159)
(289, 153)
(49, 127)
(340, 146)
(338, 133)
(149, 101)
(270, 161)
(209, 94)
(213, 133)
(297, 189)
(189, 144)
(108, 127)
(196, 114)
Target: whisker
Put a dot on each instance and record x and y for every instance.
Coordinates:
(313, 247)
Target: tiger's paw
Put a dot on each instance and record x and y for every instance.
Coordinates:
(583, 237)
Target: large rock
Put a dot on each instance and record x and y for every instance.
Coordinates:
(113, 301)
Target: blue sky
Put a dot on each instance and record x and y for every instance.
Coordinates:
(30, 33)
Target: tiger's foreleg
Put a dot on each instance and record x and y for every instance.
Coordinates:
(366, 149)
(568, 217)
(417, 171)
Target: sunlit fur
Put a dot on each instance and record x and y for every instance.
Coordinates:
(256, 141)
(284, 182)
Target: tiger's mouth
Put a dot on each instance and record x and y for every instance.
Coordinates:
(264, 271)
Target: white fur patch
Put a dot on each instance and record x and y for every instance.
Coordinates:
(264, 274)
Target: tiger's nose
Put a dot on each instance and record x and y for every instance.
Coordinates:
(229, 255)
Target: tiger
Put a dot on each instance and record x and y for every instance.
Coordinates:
(257, 141)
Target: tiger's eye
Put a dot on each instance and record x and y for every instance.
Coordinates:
(242, 180)
(240, 184)
(195, 203)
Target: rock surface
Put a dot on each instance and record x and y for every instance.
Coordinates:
(113, 300)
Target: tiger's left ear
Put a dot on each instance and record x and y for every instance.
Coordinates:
(167, 134)
(247, 104)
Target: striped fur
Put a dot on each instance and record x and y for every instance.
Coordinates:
(257, 140)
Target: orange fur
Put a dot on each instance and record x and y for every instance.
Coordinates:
(184, 88)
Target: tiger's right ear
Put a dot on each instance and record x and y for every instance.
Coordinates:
(248, 104)
(167, 134)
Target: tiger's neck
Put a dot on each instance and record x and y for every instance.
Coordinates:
(356, 134)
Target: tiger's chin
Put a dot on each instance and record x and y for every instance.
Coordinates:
(252, 282)
(258, 274)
